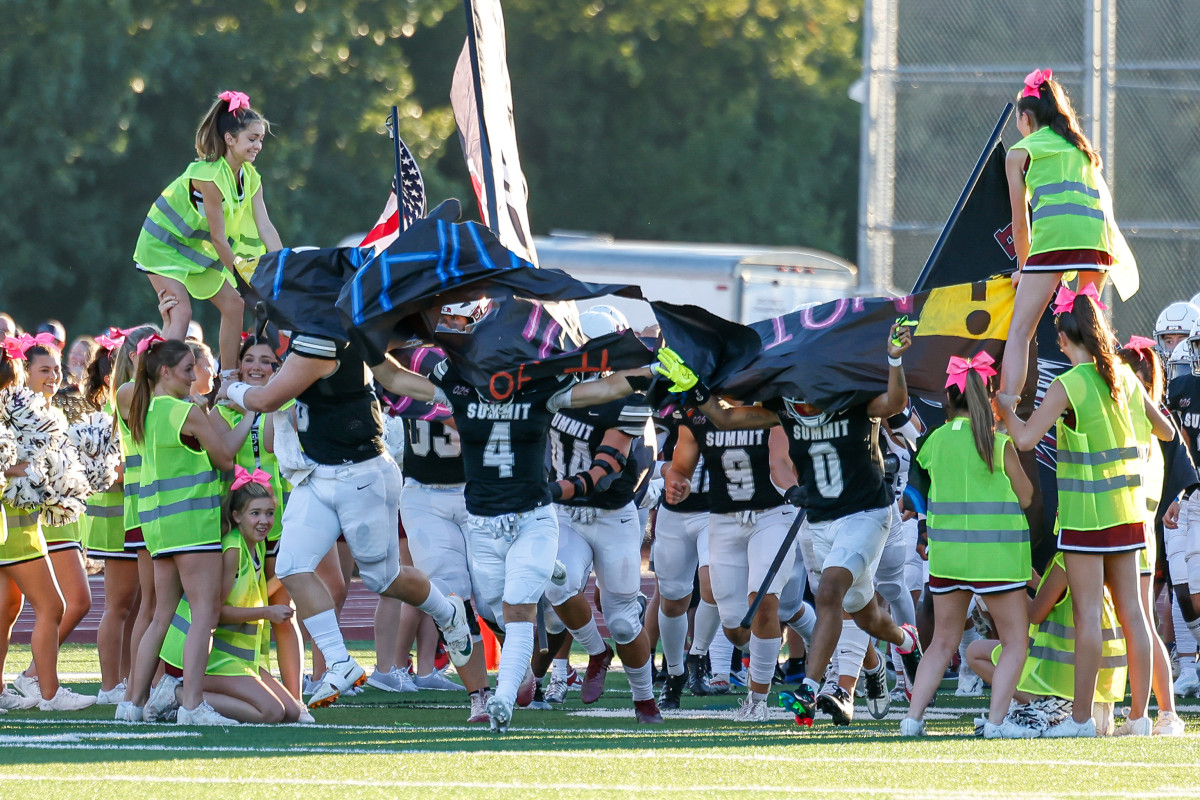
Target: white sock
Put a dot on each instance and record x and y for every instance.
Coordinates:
(1193, 628)
(327, 636)
(514, 660)
(851, 649)
(720, 654)
(764, 656)
(641, 681)
(438, 607)
(1185, 642)
(758, 697)
(589, 638)
(704, 628)
(805, 624)
(673, 633)
(560, 668)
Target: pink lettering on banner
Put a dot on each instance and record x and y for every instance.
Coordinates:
(781, 334)
(535, 316)
(839, 311)
(903, 304)
(548, 339)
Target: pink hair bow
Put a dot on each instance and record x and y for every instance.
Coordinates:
(14, 347)
(112, 340)
(1064, 301)
(18, 347)
(241, 477)
(236, 100)
(957, 369)
(147, 343)
(1034, 81)
(1140, 345)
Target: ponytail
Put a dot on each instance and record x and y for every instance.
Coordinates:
(157, 356)
(95, 390)
(1085, 326)
(1051, 108)
(230, 113)
(977, 402)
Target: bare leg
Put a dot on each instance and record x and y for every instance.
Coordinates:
(11, 603)
(388, 613)
(1085, 579)
(35, 580)
(233, 310)
(1010, 611)
(145, 614)
(167, 591)
(950, 612)
(200, 574)
(289, 648)
(181, 315)
(120, 593)
(1121, 578)
(1160, 682)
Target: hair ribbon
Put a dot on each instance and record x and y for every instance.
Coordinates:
(235, 100)
(1034, 81)
(957, 369)
(147, 343)
(1140, 345)
(1064, 301)
(241, 477)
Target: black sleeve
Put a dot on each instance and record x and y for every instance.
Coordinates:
(313, 346)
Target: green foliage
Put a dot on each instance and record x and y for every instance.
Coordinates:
(705, 120)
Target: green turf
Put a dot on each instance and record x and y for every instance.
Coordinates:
(380, 745)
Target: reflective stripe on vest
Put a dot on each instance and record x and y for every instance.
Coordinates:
(1100, 458)
(170, 240)
(1066, 209)
(975, 508)
(180, 482)
(1099, 484)
(133, 461)
(1062, 657)
(179, 507)
(1062, 186)
(106, 511)
(978, 537)
(1062, 631)
(26, 520)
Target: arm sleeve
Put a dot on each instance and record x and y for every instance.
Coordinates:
(311, 346)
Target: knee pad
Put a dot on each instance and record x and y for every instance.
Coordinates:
(286, 564)
(623, 622)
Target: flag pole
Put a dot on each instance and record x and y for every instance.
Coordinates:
(393, 126)
(966, 193)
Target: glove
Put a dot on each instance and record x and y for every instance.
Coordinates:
(671, 366)
(796, 496)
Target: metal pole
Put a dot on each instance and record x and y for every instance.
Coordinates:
(877, 147)
(394, 132)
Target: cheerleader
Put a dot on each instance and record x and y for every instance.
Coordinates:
(1101, 502)
(211, 216)
(179, 491)
(237, 682)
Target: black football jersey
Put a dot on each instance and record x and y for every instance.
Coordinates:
(697, 500)
(432, 452)
(576, 435)
(838, 461)
(1183, 398)
(739, 466)
(503, 444)
(338, 418)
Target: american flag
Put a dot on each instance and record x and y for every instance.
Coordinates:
(411, 207)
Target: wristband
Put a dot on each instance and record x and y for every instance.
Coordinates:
(556, 491)
(237, 393)
(895, 362)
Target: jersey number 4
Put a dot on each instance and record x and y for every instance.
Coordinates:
(498, 450)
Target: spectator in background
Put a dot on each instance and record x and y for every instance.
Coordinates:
(55, 329)
(82, 351)
(8, 327)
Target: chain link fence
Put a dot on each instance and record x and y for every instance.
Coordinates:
(938, 76)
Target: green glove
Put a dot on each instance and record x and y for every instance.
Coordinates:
(903, 321)
(671, 366)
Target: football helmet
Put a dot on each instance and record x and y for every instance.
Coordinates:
(602, 320)
(1177, 318)
(1180, 361)
(1192, 353)
(806, 414)
(473, 311)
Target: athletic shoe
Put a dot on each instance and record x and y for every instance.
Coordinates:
(573, 679)
(898, 695)
(1173, 654)
(308, 685)
(458, 633)
(878, 702)
(499, 714)
(437, 682)
(11, 701)
(558, 576)
(162, 703)
(1188, 684)
(306, 718)
(837, 704)
(539, 698)
(28, 686)
(697, 680)
(740, 677)
(969, 684)
(646, 712)
(1069, 728)
(1168, 724)
(672, 692)
(719, 683)
(800, 703)
(112, 696)
(479, 706)
(1028, 716)
(204, 714)
(556, 692)
(1008, 729)
(1135, 727)
(441, 659)
(751, 711)
(593, 682)
(341, 676)
(1105, 716)
(66, 700)
(126, 711)
(394, 680)
(643, 603)
(911, 659)
(525, 690)
(912, 727)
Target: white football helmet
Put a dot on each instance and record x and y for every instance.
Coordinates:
(1177, 318)
(472, 310)
(797, 411)
(1193, 347)
(600, 321)
(1180, 361)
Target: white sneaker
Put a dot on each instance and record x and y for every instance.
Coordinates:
(1188, 684)
(1008, 729)
(556, 692)
(458, 633)
(339, 677)
(66, 700)
(437, 682)
(308, 685)
(128, 712)
(394, 680)
(11, 701)
(162, 705)
(1168, 724)
(1135, 727)
(499, 714)
(111, 697)
(203, 714)
(1069, 728)
(912, 727)
(479, 712)
(306, 718)
(719, 683)
(751, 711)
(28, 686)
(969, 684)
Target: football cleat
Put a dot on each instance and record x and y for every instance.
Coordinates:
(646, 712)
(697, 680)
(458, 633)
(593, 682)
(911, 660)
(479, 712)
(672, 692)
(878, 700)
(556, 692)
(751, 711)
(499, 714)
(338, 678)
(539, 699)
(801, 704)
(837, 704)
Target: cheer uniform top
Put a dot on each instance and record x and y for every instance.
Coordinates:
(175, 241)
(575, 438)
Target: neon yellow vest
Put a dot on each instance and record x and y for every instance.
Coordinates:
(175, 233)
(132, 451)
(23, 535)
(236, 649)
(1099, 468)
(1062, 187)
(1154, 473)
(179, 495)
(105, 520)
(1050, 666)
(267, 462)
(977, 531)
